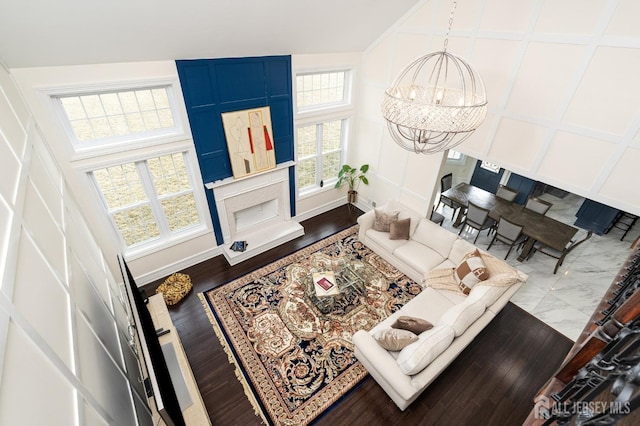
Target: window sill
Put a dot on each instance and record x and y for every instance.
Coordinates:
(148, 249)
(313, 192)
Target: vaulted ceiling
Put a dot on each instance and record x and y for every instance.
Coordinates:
(38, 33)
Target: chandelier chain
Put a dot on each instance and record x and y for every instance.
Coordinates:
(446, 37)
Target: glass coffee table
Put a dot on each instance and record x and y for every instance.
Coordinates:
(350, 276)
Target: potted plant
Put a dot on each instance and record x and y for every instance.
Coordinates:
(352, 177)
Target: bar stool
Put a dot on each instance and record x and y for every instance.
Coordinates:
(625, 222)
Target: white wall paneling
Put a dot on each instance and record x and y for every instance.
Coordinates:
(103, 379)
(29, 376)
(59, 338)
(561, 81)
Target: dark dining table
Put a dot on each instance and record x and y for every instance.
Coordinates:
(536, 226)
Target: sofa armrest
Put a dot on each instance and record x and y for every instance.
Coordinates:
(383, 364)
(366, 222)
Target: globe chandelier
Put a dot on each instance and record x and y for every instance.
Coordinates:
(436, 102)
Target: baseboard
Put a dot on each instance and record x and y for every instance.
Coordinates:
(180, 265)
(319, 210)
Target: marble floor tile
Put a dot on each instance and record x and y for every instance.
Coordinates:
(565, 300)
(557, 313)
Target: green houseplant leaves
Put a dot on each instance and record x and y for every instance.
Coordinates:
(352, 176)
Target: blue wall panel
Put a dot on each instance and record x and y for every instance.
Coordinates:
(523, 185)
(214, 86)
(197, 86)
(240, 81)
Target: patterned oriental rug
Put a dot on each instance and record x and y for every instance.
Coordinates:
(293, 360)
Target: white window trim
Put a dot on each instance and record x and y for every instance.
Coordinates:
(171, 238)
(307, 116)
(346, 103)
(87, 150)
(328, 184)
(490, 167)
(457, 161)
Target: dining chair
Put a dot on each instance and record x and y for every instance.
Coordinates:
(436, 217)
(477, 218)
(558, 254)
(537, 205)
(509, 233)
(446, 182)
(506, 193)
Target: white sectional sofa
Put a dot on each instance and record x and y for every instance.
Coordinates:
(430, 253)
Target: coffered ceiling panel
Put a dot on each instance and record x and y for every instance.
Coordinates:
(478, 143)
(422, 17)
(607, 97)
(624, 21)
(517, 143)
(620, 184)
(569, 16)
(465, 15)
(512, 16)
(495, 70)
(547, 72)
(408, 48)
(575, 159)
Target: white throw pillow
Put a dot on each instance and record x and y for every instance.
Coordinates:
(488, 294)
(413, 358)
(462, 315)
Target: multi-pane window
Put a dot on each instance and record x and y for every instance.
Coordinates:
(319, 150)
(117, 114)
(490, 167)
(322, 116)
(320, 89)
(150, 199)
(454, 155)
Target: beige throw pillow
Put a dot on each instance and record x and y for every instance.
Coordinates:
(383, 220)
(470, 271)
(414, 325)
(393, 339)
(399, 230)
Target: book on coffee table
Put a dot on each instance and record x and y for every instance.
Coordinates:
(325, 284)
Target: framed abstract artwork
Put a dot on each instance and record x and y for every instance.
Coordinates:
(249, 141)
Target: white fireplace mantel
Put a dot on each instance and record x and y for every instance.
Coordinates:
(255, 209)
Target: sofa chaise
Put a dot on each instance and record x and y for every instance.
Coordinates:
(433, 257)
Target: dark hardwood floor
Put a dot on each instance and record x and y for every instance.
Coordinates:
(492, 382)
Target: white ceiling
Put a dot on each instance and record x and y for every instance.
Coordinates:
(38, 33)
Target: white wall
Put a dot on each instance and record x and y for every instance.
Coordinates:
(562, 83)
(36, 83)
(63, 352)
(561, 79)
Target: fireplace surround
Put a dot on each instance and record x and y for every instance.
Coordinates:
(255, 209)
